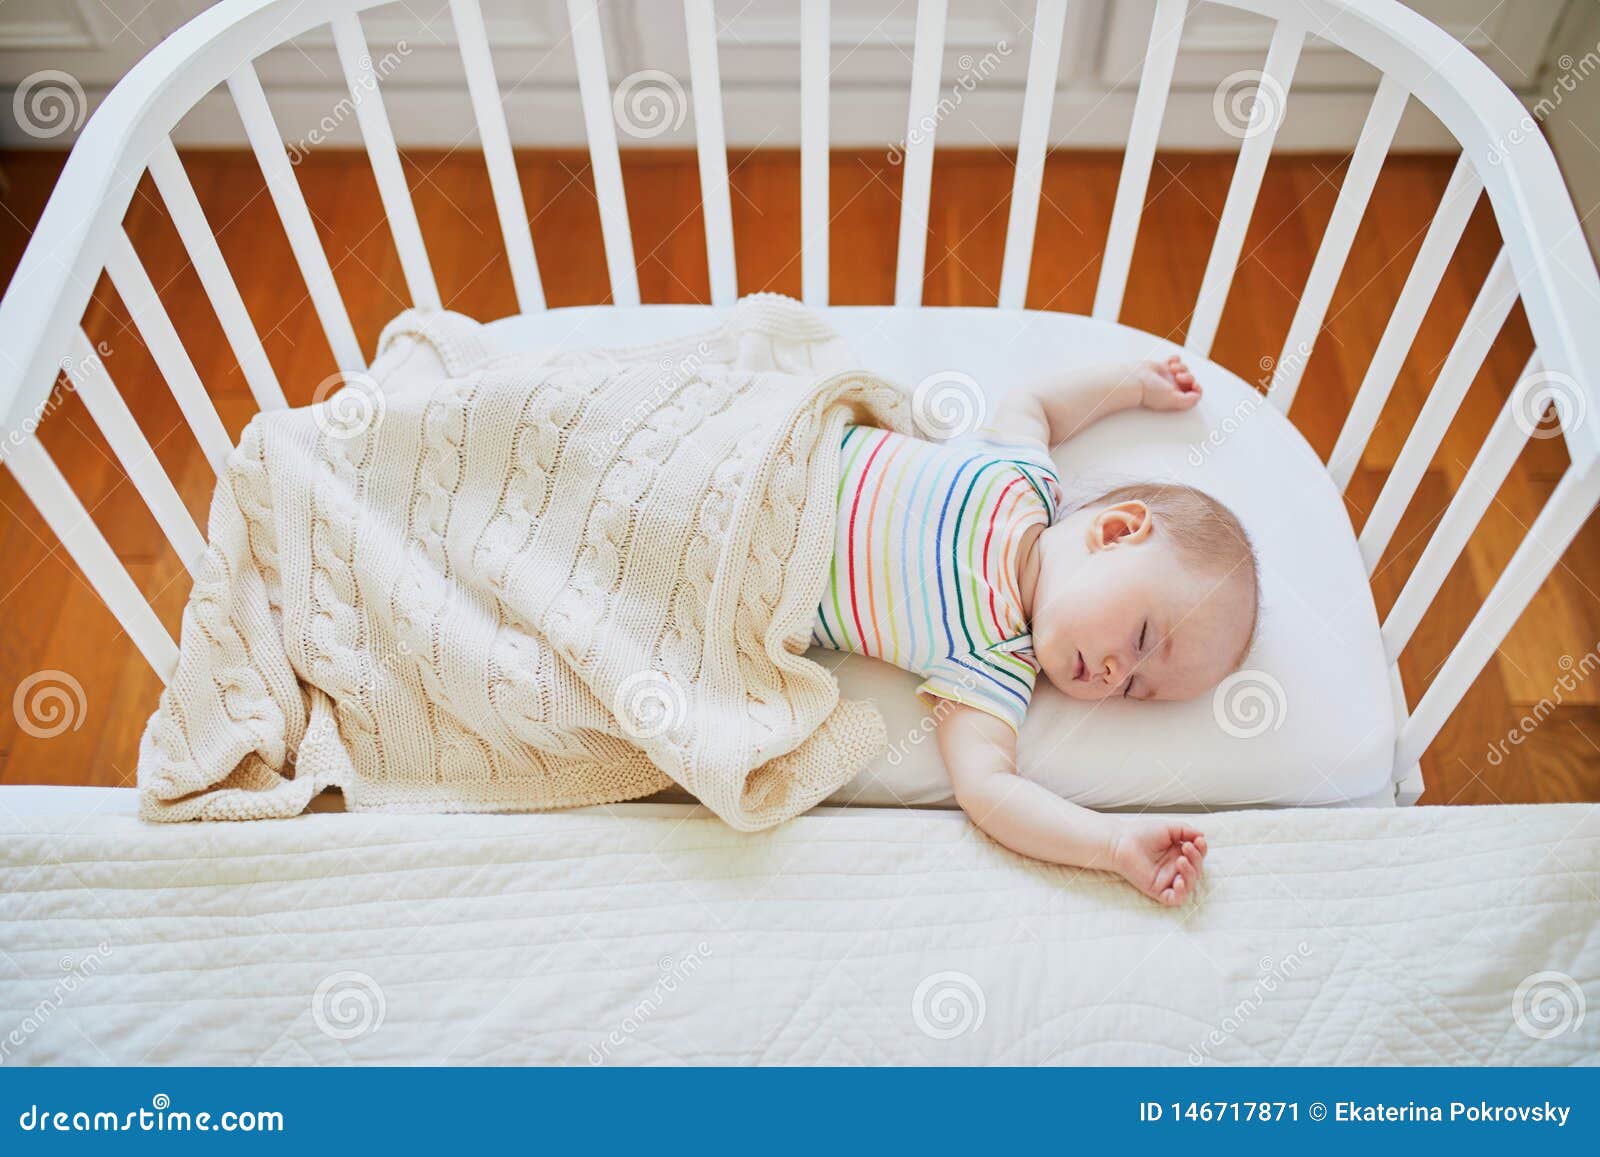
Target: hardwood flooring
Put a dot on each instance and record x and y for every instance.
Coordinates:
(53, 622)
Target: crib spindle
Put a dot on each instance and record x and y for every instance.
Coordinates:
(110, 412)
(201, 245)
(267, 144)
(1354, 194)
(484, 92)
(599, 126)
(1489, 312)
(1166, 33)
(40, 479)
(916, 184)
(1283, 55)
(1422, 282)
(362, 80)
(1043, 63)
(711, 147)
(133, 285)
(1568, 508)
(815, 51)
(1483, 480)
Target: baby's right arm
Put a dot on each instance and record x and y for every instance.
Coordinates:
(1160, 858)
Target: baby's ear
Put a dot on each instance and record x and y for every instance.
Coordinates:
(1121, 524)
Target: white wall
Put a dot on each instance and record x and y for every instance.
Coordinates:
(95, 41)
(1568, 106)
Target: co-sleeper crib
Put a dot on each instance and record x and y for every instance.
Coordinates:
(1544, 263)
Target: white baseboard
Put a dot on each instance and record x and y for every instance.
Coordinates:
(1317, 121)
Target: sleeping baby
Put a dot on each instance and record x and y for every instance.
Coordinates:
(960, 561)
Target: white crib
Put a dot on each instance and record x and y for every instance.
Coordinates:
(1544, 263)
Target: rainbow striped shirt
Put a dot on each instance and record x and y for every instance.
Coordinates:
(925, 561)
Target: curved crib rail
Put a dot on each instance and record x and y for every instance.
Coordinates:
(1545, 263)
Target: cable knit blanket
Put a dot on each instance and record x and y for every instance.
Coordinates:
(468, 582)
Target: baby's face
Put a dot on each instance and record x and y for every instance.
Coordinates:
(1118, 610)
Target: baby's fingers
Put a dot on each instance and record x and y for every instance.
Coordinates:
(1176, 868)
(1166, 873)
(1181, 375)
(1175, 881)
(1176, 894)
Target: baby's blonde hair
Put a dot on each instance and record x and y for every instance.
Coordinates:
(1204, 531)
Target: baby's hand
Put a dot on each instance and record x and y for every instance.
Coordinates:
(1168, 385)
(1161, 858)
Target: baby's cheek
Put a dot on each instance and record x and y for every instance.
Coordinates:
(1061, 687)
(1050, 661)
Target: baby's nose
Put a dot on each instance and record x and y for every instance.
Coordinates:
(1115, 665)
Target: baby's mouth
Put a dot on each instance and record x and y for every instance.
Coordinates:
(1080, 670)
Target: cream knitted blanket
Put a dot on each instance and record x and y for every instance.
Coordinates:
(469, 582)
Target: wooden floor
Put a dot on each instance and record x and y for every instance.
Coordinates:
(53, 622)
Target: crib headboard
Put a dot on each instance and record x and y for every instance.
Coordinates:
(1544, 263)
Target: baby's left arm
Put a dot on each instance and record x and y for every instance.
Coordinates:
(1161, 857)
(1055, 409)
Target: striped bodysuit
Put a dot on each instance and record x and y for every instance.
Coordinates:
(925, 561)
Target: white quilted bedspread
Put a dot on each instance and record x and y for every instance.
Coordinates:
(657, 935)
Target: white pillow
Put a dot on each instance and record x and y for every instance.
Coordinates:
(1309, 719)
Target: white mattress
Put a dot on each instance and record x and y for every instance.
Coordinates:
(653, 934)
(1310, 721)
